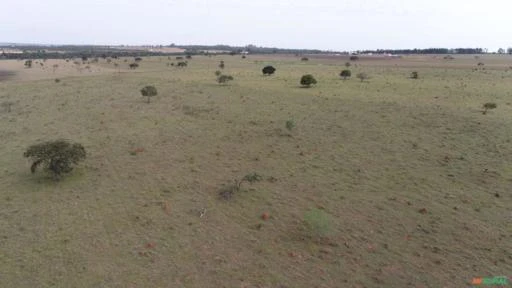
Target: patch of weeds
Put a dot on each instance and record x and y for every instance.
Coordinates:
(488, 106)
(290, 124)
(228, 191)
(318, 223)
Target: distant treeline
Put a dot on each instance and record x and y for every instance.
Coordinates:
(427, 51)
(252, 49)
(43, 54)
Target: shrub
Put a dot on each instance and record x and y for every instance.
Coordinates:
(182, 64)
(188, 56)
(348, 64)
(304, 59)
(228, 191)
(28, 64)
(489, 106)
(134, 66)
(415, 75)
(148, 91)
(138, 59)
(57, 80)
(179, 58)
(317, 222)
(290, 124)
(268, 70)
(218, 73)
(56, 156)
(222, 65)
(345, 74)
(448, 57)
(362, 76)
(222, 79)
(480, 64)
(307, 80)
(354, 58)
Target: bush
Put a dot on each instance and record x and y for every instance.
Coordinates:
(222, 65)
(182, 64)
(134, 66)
(348, 64)
(318, 222)
(362, 76)
(56, 156)
(307, 80)
(222, 79)
(138, 59)
(218, 73)
(188, 56)
(354, 58)
(290, 124)
(345, 74)
(28, 64)
(489, 106)
(415, 75)
(268, 70)
(148, 91)
(304, 59)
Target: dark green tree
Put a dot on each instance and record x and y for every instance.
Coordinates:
(148, 91)
(268, 70)
(345, 74)
(307, 80)
(55, 156)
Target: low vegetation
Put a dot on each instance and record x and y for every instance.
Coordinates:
(57, 157)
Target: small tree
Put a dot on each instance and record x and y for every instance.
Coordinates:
(28, 64)
(148, 91)
(345, 74)
(304, 59)
(354, 58)
(138, 59)
(182, 64)
(222, 65)
(217, 73)
(222, 79)
(268, 70)
(362, 76)
(134, 66)
(307, 80)
(415, 75)
(188, 56)
(489, 106)
(56, 156)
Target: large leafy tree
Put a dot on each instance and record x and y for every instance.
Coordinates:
(56, 156)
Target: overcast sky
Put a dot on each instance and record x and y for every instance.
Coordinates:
(320, 24)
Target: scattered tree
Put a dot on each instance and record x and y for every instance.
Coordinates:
(501, 51)
(217, 73)
(345, 74)
(56, 156)
(415, 75)
(7, 106)
(182, 64)
(55, 66)
(489, 106)
(307, 80)
(28, 64)
(189, 57)
(268, 70)
(222, 79)
(138, 59)
(362, 76)
(509, 50)
(148, 91)
(348, 64)
(134, 66)
(290, 124)
(179, 58)
(354, 58)
(222, 65)
(304, 59)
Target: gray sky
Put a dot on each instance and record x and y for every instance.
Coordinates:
(321, 24)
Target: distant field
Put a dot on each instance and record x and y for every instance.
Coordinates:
(391, 182)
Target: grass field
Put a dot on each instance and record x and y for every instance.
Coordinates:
(393, 182)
